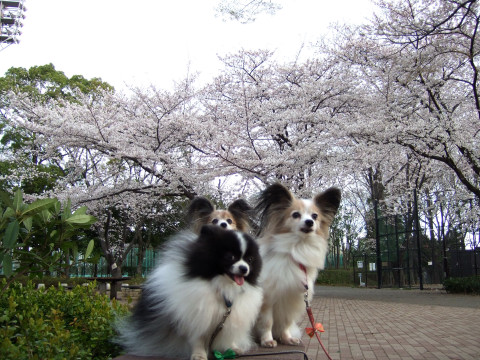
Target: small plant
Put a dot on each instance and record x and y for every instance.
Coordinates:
(57, 324)
(41, 236)
(465, 285)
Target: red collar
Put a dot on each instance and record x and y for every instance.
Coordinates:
(304, 269)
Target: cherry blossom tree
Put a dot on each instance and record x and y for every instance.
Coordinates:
(388, 107)
(416, 72)
(418, 61)
(273, 122)
(246, 11)
(21, 164)
(120, 155)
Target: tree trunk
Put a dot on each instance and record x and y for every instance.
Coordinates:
(116, 286)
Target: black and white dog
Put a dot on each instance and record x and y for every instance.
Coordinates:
(186, 297)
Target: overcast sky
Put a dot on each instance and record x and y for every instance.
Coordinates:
(137, 43)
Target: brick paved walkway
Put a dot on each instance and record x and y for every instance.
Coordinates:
(389, 324)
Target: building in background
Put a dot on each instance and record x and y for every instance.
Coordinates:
(12, 14)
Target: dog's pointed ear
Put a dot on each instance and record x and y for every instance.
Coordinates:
(239, 206)
(198, 211)
(200, 207)
(329, 202)
(243, 213)
(276, 194)
(275, 197)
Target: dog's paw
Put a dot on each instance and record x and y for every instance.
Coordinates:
(291, 341)
(237, 350)
(268, 343)
(198, 356)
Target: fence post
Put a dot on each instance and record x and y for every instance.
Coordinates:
(446, 271)
(417, 228)
(399, 263)
(366, 269)
(475, 258)
(379, 254)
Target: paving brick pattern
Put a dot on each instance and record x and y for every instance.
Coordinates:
(389, 324)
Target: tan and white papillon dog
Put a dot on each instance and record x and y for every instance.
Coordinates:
(202, 212)
(293, 241)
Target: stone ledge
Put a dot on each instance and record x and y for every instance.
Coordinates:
(291, 353)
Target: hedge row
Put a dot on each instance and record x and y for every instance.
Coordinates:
(335, 277)
(54, 323)
(466, 285)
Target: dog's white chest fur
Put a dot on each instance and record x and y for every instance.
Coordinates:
(282, 256)
(290, 265)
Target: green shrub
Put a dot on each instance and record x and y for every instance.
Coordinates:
(57, 324)
(335, 277)
(465, 285)
(49, 230)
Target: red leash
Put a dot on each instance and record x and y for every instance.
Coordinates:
(316, 327)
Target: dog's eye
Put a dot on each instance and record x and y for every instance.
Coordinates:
(215, 221)
(229, 257)
(229, 221)
(296, 215)
(249, 259)
(314, 216)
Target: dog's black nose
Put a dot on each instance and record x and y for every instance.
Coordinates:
(309, 223)
(224, 225)
(243, 269)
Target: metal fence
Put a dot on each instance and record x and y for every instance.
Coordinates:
(365, 270)
(405, 257)
(129, 266)
(464, 263)
(399, 258)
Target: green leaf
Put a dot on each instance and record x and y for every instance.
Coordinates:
(89, 250)
(7, 265)
(18, 200)
(58, 207)
(9, 212)
(45, 215)
(5, 198)
(67, 210)
(56, 257)
(39, 205)
(54, 234)
(80, 219)
(28, 223)
(81, 211)
(11, 235)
